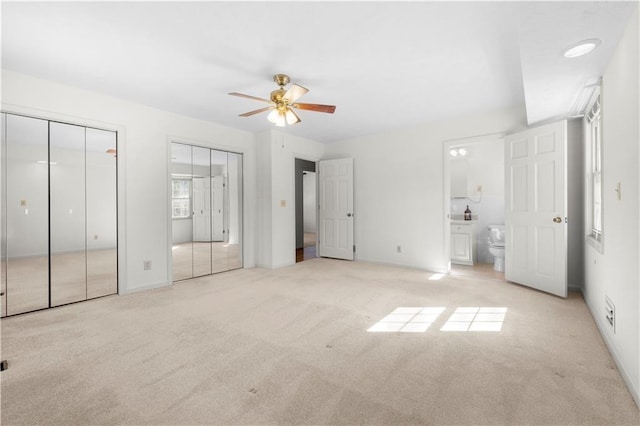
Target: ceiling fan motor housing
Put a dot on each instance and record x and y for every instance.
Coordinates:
(281, 79)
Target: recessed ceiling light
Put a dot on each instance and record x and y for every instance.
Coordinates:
(581, 48)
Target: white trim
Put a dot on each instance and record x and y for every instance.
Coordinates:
(594, 102)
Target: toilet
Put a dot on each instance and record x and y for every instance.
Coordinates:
(496, 246)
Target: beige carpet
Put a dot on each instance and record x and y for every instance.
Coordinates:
(291, 346)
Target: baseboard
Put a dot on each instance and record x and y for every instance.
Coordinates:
(145, 288)
(612, 350)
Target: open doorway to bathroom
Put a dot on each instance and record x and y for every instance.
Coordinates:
(474, 183)
(306, 209)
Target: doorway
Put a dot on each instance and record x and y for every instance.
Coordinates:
(473, 179)
(306, 209)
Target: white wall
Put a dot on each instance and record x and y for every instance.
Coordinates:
(615, 272)
(143, 166)
(399, 187)
(276, 194)
(485, 161)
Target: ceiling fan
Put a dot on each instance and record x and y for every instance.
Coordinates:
(282, 101)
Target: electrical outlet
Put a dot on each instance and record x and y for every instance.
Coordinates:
(479, 188)
(147, 265)
(610, 312)
(399, 249)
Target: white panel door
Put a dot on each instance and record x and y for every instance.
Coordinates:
(336, 208)
(536, 207)
(201, 212)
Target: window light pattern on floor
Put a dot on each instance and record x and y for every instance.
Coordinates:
(475, 319)
(408, 320)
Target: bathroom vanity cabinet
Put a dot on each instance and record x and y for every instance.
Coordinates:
(463, 242)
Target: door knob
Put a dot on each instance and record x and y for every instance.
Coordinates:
(557, 219)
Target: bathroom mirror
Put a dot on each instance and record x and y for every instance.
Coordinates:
(458, 170)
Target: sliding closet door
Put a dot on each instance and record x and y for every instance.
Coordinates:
(3, 215)
(182, 223)
(234, 239)
(67, 214)
(206, 210)
(101, 235)
(27, 226)
(218, 210)
(201, 210)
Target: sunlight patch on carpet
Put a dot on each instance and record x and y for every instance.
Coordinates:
(408, 320)
(476, 319)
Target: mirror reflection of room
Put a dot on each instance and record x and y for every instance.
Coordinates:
(59, 241)
(206, 197)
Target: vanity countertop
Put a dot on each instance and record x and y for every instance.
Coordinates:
(463, 222)
(458, 219)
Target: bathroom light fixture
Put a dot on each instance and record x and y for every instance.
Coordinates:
(459, 151)
(581, 48)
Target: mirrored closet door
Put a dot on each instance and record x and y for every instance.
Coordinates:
(59, 210)
(206, 209)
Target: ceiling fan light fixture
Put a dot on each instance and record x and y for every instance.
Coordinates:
(281, 101)
(277, 117)
(581, 48)
(273, 116)
(291, 117)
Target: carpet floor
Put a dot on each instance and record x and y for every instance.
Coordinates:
(292, 346)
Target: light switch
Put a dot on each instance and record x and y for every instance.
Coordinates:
(26, 211)
(70, 211)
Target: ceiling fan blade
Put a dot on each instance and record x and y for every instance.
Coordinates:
(295, 92)
(316, 107)
(257, 111)
(255, 98)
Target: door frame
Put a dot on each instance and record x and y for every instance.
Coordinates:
(448, 145)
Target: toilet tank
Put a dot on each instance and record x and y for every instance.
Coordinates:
(496, 233)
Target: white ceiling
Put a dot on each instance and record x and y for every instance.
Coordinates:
(385, 65)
